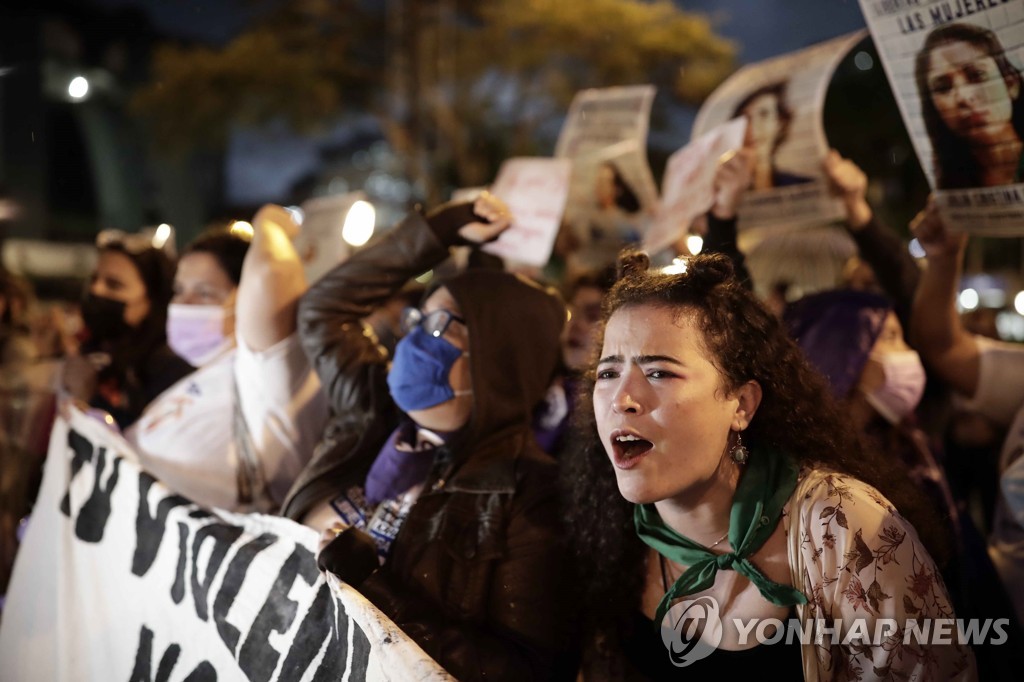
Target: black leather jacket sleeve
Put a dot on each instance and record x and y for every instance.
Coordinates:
(330, 315)
(529, 631)
(351, 366)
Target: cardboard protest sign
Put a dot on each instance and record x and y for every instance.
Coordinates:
(687, 189)
(782, 99)
(118, 578)
(535, 191)
(955, 68)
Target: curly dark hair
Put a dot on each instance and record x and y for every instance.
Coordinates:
(797, 416)
(955, 165)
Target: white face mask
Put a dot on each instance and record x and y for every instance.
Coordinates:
(904, 384)
(196, 332)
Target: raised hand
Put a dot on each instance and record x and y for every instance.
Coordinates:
(848, 182)
(491, 209)
(934, 235)
(732, 179)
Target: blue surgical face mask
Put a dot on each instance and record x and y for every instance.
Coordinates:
(419, 371)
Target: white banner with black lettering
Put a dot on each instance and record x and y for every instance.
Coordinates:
(120, 579)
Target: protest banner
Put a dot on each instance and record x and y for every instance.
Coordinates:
(535, 191)
(955, 69)
(687, 189)
(118, 578)
(783, 99)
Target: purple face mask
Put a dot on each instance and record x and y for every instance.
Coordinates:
(196, 332)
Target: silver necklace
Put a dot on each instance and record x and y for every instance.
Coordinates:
(662, 561)
(719, 541)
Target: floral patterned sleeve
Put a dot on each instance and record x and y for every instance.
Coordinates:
(870, 580)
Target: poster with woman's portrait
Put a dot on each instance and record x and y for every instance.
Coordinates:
(612, 193)
(955, 67)
(782, 100)
(612, 199)
(605, 136)
(688, 185)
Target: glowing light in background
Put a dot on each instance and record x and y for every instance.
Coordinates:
(915, 248)
(694, 243)
(359, 223)
(863, 61)
(678, 267)
(969, 299)
(241, 228)
(163, 233)
(297, 214)
(78, 88)
(1018, 302)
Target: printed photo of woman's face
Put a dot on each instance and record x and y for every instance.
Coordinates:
(605, 190)
(763, 123)
(971, 95)
(970, 90)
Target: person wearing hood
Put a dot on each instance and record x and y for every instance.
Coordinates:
(438, 504)
(854, 339)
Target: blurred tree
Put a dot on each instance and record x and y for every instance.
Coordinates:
(458, 85)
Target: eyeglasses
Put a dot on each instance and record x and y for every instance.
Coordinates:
(434, 323)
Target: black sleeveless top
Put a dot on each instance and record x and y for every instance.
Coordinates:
(649, 657)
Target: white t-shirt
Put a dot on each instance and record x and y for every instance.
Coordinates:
(185, 437)
(1000, 396)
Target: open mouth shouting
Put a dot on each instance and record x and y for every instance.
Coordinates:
(628, 448)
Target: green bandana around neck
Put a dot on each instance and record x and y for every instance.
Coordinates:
(765, 485)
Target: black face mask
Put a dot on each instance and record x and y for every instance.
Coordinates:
(104, 317)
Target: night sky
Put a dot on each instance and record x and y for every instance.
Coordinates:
(763, 28)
